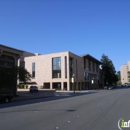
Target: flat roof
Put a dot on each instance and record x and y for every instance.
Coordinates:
(1, 45)
(91, 57)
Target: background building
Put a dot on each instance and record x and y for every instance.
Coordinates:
(125, 73)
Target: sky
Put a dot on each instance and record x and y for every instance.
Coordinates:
(92, 27)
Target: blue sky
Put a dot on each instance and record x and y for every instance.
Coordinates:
(81, 26)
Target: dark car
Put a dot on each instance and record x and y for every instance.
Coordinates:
(110, 87)
(33, 89)
(6, 97)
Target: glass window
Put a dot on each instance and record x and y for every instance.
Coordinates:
(93, 67)
(84, 63)
(33, 70)
(76, 69)
(7, 61)
(71, 67)
(56, 67)
(89, 65)
(65, 67)
(86, 76)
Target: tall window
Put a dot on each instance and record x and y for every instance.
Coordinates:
(89, 65)
(7, 61)
(86, 76)
(84, 63)
(56, 67)
(65, 67)
(71, 67)
(33, 70)
(76, 69)
(93, 67)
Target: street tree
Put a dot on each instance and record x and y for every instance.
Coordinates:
(21, 73)
(9, 77)
(119, 77)
(110, 76)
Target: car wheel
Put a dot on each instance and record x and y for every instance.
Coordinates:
(7, 99)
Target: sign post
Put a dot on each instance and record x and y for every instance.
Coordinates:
(73, 82)
(92, 82)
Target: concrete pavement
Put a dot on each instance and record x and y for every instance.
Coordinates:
(100, 110)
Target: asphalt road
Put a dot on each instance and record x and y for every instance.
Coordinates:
(96, 110)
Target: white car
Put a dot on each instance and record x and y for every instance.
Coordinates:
(33, 89)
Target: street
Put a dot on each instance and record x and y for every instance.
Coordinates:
(94, 110)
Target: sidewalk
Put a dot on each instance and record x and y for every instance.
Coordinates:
(24, 94)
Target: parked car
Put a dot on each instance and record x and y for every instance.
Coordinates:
(6, 97)
(33, 89)
(110, 87)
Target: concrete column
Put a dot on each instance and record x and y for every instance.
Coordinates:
(68, 86)
(62, 86)
(50, 85)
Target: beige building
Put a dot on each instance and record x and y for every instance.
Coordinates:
(64, 71)
(128, 65)
(125, 77)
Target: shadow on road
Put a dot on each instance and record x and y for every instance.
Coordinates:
(59, 96)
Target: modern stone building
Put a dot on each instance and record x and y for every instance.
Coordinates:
(124, 69)
(64, 71)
